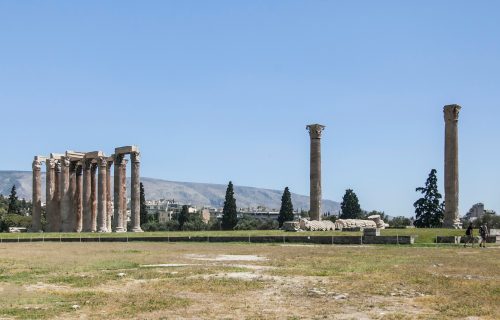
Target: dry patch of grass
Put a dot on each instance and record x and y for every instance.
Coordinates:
(227, 281)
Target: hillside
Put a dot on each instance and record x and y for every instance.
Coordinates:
(184, 192)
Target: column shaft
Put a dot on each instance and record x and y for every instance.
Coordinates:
(101, 204)
(78, 203)
(109, 203)
(451, 185)
(87, 204)
(55, 222)
(315, 132)
(135, 192)
(118, 218)
(50, 192)
(66, 207)
(123, 178)
(37, 196)
(93, 198)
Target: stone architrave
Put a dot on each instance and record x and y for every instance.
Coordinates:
(135, 192)
(78, 203)
(37, 195)
(451, 190)
(109, 200)
(118, 209)
(66, 208)
(50, 165)
(93, 198)
(123, 184)
(315, 131)
(101, 198)
(87, 204)
(55, 221)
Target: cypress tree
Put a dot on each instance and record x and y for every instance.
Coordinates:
(286, 210)
(13, 202)
(429, 211)
(229, 213)
(143, 208)
(183, 216)
(350, 206)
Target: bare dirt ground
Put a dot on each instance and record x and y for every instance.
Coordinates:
(246, 281)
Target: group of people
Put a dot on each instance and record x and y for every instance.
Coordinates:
(483, 235)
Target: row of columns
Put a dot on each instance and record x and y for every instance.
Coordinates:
(78, 202)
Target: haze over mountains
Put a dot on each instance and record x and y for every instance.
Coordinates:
(198, 194)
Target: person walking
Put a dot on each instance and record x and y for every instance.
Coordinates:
(469, 236)
(483, 232)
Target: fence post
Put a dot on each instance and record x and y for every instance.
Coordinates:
(397, 239)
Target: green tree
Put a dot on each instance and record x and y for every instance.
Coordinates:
(350, 206)
(399, 222)
(429, 210)
(14, 206)
(143, 208)
(286, 210)
(183, 216)
(229, 213)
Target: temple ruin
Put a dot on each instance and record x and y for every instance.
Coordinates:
(78, 202)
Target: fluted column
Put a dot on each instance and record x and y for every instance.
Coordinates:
(50, 165)
(135, 192)
(55, 222)
(37, 196)
(93, 198)
(87, 204)
(78, 203)
(101, 198)
(315, 131)
(65, 196)
(451, 214)
(123, 178)
(118, 203)
(109, 200)
(72, 192)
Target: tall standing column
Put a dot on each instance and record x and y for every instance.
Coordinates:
(65, 196)
(93, 198)
(55, 223)
(451, 214)
(87, 205)
(123, 184)
(118, 203)
(78, 203)
(135, 192)
(109, 206)
(315, 131)
(37, 196)
(101, 199)
(50, 166)
(72, 194)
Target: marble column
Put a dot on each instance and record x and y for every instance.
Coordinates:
(93, 198)
(451, 214)
(123, 178)
(101, 198)
(72, 193)
(36, 224)
(78, 203)
(118, 203)
(315, 131)
(50, 205)
(109, 203)
(87, 202)
(135, 192)
(66, 208)
(55, 222)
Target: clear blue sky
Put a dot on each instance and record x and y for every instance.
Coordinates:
(213, 91)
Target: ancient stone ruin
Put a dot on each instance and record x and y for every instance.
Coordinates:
(78, 202)
(373, 222)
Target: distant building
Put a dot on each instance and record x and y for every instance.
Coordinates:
(477, 211)
(166, 208)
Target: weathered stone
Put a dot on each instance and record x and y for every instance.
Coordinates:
(315, 131)
(135, 193)
(101, 198)
(126, 150)
(50, 205)
(93, 197)
(37, 195)
(291, 226)
(87, 201)
(78, 202)
(451, 185)
(118, 203)
(66, 207)
(109, 201)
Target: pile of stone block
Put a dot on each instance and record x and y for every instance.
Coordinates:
(291, 226)
(315, 225)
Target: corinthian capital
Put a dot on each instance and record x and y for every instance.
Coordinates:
(135, 157)
(37, 165)
(102, 162)
(58, 166)
(65, 162)
(50, 164)
(315, 130)
(451, 112)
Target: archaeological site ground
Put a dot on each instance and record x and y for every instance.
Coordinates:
(148, 280)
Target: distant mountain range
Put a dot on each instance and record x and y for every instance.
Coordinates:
(198, 194)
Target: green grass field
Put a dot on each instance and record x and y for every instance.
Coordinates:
(422, 236)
